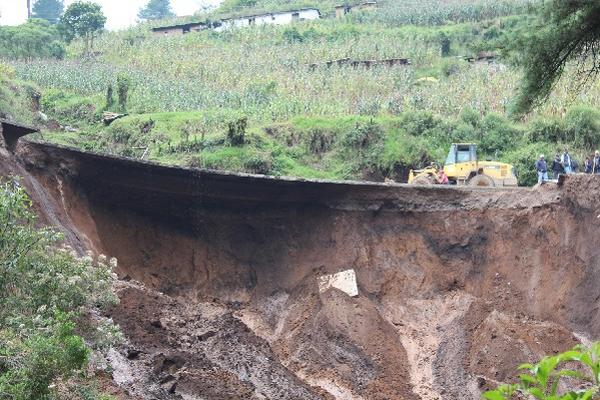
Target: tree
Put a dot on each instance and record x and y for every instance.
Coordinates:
(36, 38)
(83, 19)
(50, 10)
(566, 32)
(156, 9)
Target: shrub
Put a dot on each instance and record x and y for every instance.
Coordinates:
(7, 72)
(259, 163)
(445, 44)
(361, 147)
(523, 159)
(471, 117)
(402, 149)
(123, 86)
(547, 130)
(33, 39)
(236, 132)
(110, 100)
(583, 127)
(419, 123)
(498, 134)
(68, 107)
(580, 366)
(43, 292)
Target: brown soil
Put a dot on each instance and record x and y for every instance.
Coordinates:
(219, 294)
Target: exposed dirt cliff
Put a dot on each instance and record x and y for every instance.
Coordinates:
(219, 293)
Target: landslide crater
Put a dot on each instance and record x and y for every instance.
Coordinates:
(219, 278)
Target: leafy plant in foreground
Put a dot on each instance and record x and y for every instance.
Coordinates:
(578, 370)
(45, 293)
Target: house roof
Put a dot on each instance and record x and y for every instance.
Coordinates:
(182, 26)
(191, 24)
(364, 3)
(273, 13)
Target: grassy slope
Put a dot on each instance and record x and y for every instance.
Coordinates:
(301, 121)
(17, 98)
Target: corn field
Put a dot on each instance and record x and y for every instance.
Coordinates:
(264, 72)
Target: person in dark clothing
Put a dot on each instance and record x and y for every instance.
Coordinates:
(588, 167)
(542, 169)
(557, 167)
(596, 163)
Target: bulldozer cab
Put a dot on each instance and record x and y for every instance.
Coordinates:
(461, 160)
(460, 153)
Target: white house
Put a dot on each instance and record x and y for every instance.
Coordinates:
(275, 18)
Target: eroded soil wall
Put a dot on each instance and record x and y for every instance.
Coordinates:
(219, 293)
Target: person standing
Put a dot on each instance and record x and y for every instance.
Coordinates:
(588, 167)
(542, 169)
(596, 163)
(442, 177)
(567, 162)
(557, 167)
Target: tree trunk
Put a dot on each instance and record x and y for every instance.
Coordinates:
(28, 9)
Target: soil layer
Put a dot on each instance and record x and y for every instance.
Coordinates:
(219, 277)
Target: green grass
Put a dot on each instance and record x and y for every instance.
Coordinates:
(17, 98)
(337, 122)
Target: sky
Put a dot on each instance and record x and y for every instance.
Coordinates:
(120, 13)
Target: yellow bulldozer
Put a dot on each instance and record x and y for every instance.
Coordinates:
(463, 168)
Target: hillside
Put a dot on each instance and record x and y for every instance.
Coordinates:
(252, 100)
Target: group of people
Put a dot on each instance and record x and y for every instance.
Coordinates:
(565, 164)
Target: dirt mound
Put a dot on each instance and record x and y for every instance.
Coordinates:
(220, 294)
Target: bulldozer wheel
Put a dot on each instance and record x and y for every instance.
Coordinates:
(482, 181)
(423, 180)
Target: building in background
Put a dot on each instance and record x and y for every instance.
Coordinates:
(344, 9)
(180, 29)
(274, 18)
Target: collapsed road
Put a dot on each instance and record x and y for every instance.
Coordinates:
(221, 277)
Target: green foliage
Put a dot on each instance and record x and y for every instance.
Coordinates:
(497, 134)
(156, 9)
(236, 132)
(433, 12)
(123, 86)
(310, 120)
(363, 145)
(68, 107)
(83, 19)
(551, 130)
(16, 98)
(565, 31)
(523, 159)
(579, 366)
(40, 359)
(44, 291)
(50, 10)
(445, 44)
(583, 127)
(34, 39)
(110, 100)
(7, 72)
